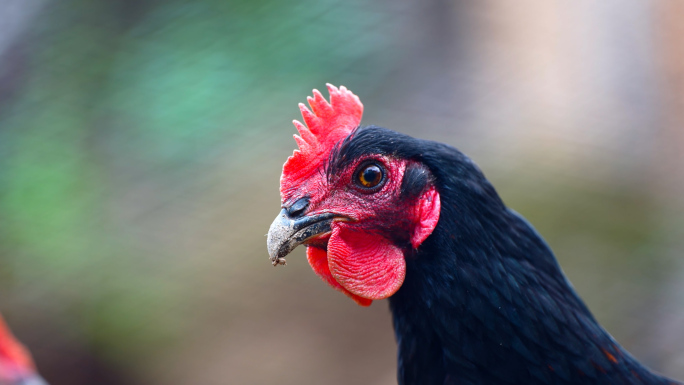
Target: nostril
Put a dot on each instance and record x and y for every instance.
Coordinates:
(297, 209)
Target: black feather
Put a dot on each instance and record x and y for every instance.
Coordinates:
(484, 300)
(416, 179)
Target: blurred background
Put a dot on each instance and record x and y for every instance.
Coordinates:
(141, 143)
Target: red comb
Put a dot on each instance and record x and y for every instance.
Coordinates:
(326, 124)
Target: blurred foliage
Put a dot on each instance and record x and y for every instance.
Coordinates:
(117, 91)
(141, 143)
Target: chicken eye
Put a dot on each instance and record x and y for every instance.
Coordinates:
(369, 176)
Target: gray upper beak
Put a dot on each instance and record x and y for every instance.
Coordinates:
(286, 233)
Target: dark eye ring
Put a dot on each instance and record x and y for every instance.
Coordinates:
(370, 176)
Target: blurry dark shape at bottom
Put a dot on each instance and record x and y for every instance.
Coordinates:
(78, 367)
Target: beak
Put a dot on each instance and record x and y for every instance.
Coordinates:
(286, 233)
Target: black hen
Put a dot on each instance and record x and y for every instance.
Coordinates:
(485, 301)
(477, 297)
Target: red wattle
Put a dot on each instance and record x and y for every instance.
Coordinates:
(365, 263)
(318, 259)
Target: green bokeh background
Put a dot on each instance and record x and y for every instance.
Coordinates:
(141, 144)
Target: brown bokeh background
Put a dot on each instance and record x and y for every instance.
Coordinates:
(141, 143)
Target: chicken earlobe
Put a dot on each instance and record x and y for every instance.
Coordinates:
(427, 215)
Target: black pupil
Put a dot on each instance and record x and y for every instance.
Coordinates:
(371, 176)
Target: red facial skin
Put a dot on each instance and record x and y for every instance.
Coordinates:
(363, 255)
(15, 361)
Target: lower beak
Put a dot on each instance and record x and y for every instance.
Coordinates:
(287, 233)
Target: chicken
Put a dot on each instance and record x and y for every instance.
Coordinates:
(16, 365)
(476, 295)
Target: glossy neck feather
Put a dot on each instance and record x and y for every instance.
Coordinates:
(485, 302)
